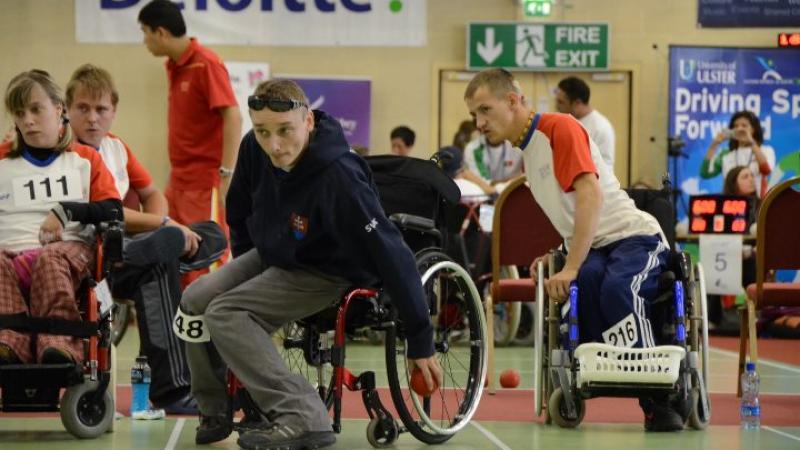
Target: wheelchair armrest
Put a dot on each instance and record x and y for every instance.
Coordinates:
(111, 234)
(416, 223)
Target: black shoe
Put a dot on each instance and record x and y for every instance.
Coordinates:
(7, 356)
(660, 417)
(162, 246)
(285, 437)
(54, 355)
(184, 406)
(252, 423)
(213, 429)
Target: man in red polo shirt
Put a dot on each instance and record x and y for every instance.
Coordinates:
(204, 120)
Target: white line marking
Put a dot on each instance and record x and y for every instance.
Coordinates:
(489, 435)
(790, 436)
(762, 361)
(176, 433)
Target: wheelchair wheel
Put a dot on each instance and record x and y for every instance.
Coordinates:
(120, 318)
(558, 410)
(83, 415)
(382, 433)
(303, 352)
(460, 345)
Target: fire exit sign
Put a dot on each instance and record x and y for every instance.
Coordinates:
(538, 47)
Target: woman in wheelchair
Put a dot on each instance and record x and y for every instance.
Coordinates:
(305, 225)
(50, 190)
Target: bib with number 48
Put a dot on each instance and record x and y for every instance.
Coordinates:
(190, 328)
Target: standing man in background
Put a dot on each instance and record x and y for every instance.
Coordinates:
(204, 123)
(572, 97)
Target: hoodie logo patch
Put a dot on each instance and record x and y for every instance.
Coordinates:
(299, 226)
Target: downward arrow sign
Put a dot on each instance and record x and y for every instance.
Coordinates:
(488, 50)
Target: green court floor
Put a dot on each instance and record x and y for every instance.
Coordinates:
(488, 431)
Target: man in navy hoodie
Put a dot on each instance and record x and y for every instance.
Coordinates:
(305, 225)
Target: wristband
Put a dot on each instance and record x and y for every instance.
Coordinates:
(61, 214)
(225, 172)
(165, 220)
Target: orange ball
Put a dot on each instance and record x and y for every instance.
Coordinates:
(418, 383)
(509, 378)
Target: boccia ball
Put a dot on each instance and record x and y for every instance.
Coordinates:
(509, 378)
(418, 383)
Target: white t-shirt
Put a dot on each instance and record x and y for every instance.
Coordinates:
(560, 150)
(602, 133)
(493, 164)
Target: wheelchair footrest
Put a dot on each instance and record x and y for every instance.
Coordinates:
(623, 390)
(35, 388)
(607, 363)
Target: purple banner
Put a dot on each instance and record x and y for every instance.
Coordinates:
(346, 100)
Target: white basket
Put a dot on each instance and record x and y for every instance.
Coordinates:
(607, 363)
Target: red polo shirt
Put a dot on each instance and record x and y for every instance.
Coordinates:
(198, 86)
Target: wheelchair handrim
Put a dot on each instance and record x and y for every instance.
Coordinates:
(483, 363)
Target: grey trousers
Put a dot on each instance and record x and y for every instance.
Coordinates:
(243, 305)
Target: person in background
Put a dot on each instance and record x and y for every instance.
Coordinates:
(466, 133)
(572, 97)
(402, 139)
(204, 123)
(156, 247)
(745, 148)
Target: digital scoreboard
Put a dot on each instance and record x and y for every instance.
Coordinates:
(715, 214)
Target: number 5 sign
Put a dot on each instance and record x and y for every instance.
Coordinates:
(721, 256)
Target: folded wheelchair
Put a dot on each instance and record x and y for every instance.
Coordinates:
(87, 405)
(566, 374)
(412, 192)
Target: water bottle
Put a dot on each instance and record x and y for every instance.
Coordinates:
(140, 385)
(751, 409)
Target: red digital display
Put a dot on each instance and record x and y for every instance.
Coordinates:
(789, 40)
(718, 214)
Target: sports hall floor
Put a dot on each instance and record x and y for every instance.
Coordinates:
(504, 421)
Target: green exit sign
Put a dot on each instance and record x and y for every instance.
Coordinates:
(537, 8)
(531, 46)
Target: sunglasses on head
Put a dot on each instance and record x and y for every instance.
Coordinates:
(257, 103)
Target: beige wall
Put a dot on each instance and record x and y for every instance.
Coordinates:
(40, 33)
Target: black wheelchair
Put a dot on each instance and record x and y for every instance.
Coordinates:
(87, 405)
(412, 192)
(566, 374)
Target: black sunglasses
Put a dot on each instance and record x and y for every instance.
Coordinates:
(257, 103)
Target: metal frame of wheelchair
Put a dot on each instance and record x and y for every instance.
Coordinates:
(459, 327)
(87, 406)
(557, 392)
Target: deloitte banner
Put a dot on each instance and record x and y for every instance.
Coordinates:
(708, 85)
(266, 22)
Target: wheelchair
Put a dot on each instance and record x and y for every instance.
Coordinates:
(87, 405)
(316, 346)
(567, 374)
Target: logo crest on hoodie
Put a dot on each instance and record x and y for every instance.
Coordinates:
(299, 226)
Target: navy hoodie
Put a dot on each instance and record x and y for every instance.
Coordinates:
(325, 215)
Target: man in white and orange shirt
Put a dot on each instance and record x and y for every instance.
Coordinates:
(204, 123)
(615, 251)
(159, 248)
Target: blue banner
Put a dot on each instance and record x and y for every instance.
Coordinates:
(708, 85)
(748, 13)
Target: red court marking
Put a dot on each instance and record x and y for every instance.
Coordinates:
(783, 350)
(516, 405)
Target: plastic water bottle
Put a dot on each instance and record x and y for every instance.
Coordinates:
(751, 409)
(140, 385)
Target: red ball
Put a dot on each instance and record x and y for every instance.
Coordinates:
(509, 378)
(418, 383)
